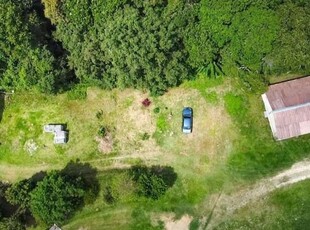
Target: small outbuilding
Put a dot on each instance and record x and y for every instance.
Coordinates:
(60, 132)
(287, 106)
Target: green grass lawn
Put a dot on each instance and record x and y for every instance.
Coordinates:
(231, 144)
(286, 208)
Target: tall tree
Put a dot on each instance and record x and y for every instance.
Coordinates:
(126, 43)
(56, 198)
(26, 57)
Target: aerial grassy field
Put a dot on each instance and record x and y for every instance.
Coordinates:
(231, 146)
(286, 208)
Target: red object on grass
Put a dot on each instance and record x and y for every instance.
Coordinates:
(146, 102)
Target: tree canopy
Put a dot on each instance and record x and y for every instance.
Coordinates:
(148, 44)
(56, 197)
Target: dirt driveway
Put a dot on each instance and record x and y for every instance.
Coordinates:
(225, 205)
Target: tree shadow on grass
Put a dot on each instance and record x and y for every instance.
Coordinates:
(88, 176)
(154, 181)
(6, 209)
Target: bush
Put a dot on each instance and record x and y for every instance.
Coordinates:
(56, 198)
(145, 136)
(102, 132)
(99, 114)
(79, 92)
(156, 110)
(19, 193)
(153, 182)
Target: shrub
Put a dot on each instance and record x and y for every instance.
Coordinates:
(99, 114)
(145, 136)
(153, 182)
(156, 110)
(102, 131)
(77, 93)
(56, 198)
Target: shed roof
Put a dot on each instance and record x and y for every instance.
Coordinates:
(60, 134)
(288, 108)
(289, 93)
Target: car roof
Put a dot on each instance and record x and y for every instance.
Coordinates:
(187, 111)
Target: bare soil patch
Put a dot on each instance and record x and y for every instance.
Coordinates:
(105, 144)
(172, 224)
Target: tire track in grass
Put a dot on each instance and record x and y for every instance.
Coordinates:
(226, 205)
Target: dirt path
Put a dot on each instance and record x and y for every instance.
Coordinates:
(10, 172)
(226, 205)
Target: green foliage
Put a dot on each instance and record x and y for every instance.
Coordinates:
(139, 43)
(79, 92)
(26, 59)
(235, 105)
(19, 193)
(145, 136)
(162, 123)
(153, 182)
(51, 10)
(194, 225)
(162, 126)
(156, 110)
(291, 48)
(252, 34)
(142, 220)
(11, 224)
(212, 70)
(105, 40)
(99, 114)
(56, 198)
(150, 45)
(102, 131)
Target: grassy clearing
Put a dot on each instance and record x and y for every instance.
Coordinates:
(287, 208)
(140, 135)
(231, 144)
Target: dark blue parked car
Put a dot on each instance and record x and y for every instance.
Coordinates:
(187, 121)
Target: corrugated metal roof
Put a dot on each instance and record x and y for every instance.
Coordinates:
(291, 123)
(288, 108)
(289, 93)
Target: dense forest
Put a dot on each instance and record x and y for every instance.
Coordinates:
(148, 44)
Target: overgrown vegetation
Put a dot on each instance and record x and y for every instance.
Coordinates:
(150, 45)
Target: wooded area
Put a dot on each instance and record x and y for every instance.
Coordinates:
(148, 44)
